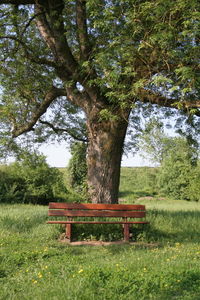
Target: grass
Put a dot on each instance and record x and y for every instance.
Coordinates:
(163, 264)
(137, 182)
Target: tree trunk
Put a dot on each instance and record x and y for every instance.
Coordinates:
(105, 149)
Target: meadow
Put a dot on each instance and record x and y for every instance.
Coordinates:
(164, 262)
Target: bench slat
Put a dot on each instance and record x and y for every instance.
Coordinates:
(98, 206)
(97, 213)
(96, 222)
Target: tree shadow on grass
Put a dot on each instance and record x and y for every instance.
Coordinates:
(135, 194)
(188, 283)
(126, 193)
(20, 224)
(164, 227)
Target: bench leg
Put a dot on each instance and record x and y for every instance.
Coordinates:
(68, 231)
(126, 232)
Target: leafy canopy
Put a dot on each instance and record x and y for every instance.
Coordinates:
(125, 53)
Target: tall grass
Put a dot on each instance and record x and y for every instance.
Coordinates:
(163, 264)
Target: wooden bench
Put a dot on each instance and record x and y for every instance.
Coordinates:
(124, 212)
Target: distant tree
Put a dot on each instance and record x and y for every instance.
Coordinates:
(78, 166)
(177, 158)
(154, 142)
(103, 58)
(157, 145)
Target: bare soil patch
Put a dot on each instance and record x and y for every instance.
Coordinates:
(103, 243)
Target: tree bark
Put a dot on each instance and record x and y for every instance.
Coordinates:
(105, 149)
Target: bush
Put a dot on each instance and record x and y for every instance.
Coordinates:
(177, 170)
(31, 180)
(11, 186)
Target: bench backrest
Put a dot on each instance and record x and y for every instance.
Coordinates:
(96, 210)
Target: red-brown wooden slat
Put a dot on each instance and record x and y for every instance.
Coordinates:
(97, 213)
(87, 206)
(96, 222)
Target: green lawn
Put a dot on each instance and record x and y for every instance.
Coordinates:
(163, 264)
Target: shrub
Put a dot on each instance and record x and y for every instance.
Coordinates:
(176, 170)
(12, 187)
(31, 180)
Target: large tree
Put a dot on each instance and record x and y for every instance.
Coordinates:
(103, 57)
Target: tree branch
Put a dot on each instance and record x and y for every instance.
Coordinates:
(82, 34)
(50, 96)
(28, 51)
(147, 96)
(78, 98)
(28, 23)
(51, 27)
(58, 129)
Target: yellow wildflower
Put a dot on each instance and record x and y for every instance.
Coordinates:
(34, 281)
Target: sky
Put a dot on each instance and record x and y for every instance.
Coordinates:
(58, 156)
